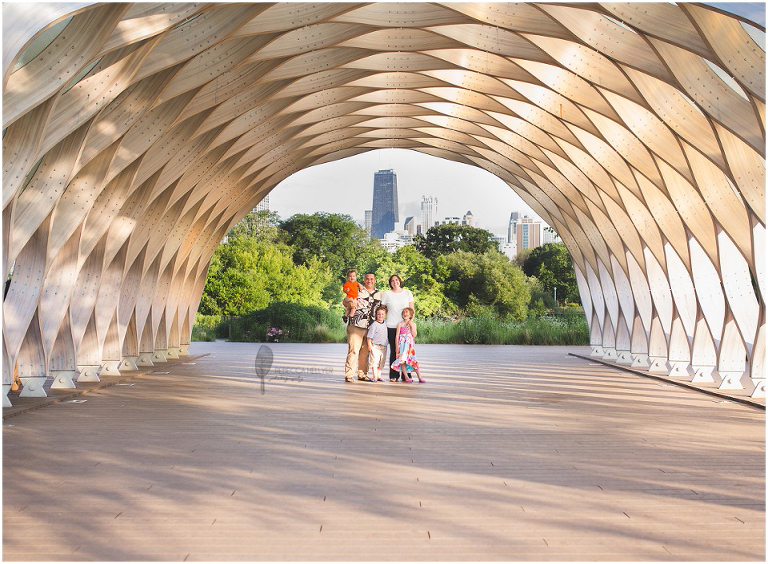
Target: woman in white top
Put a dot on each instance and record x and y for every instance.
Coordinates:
(396, 299)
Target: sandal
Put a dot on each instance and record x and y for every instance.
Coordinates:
(364, 378)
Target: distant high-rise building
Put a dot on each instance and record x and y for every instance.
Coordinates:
(410, 225)
(395, 240)
(548, 235)
(524, 231)
(428, 213)
(514, 217)
(368, 221)
(509, 249)
(455, 220)
(384, 214)
(263, 205)
(468, 219)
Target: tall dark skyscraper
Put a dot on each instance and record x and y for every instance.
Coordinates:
(385, 211)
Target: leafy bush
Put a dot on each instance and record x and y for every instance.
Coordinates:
(208, 328)
(298, 323)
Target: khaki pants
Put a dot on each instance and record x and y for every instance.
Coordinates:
(378, 354)
(357, 354)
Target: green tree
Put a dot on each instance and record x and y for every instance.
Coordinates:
(551, 264)
(475, 281)
(447, 238)
(417, 273)
(261, 225)
(374, 258)
(335, 239)
(246, 274)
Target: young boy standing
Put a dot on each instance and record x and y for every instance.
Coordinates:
(377, 342)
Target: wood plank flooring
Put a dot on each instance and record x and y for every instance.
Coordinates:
(506, 453)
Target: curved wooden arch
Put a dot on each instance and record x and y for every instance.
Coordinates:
(140, 133)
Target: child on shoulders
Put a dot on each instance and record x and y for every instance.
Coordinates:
(350, 288)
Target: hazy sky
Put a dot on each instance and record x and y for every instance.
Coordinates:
(346, 186)
(754, 11)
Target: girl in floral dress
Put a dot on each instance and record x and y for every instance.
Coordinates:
(406, 358)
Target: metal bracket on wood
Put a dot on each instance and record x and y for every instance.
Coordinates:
(702, 373)
(110, 368)
(731, 380)
(32, 387)
(89, 373)
(159, 355)
(63, 379)
(641, 361)
(129, 364)
(658, 365)
(145, 359)
(609, 353)
(624, 357)
(679, 369)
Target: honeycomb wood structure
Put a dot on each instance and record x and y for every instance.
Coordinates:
(136, 135)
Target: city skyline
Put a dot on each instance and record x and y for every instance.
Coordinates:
(458, 187)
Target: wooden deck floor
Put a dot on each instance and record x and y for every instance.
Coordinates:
(506, 453)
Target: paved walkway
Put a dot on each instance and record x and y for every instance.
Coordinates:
(506, 453)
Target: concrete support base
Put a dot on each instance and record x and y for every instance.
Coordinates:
(63, 379)
(610, 353)
(624, 357)
(702, 374)
(597, 350)
(641, 361)
(731, 381)
(145, 359)
(159, 356)
(89, 373)
(129, 364)
(759, 391)
(658, 365)
(32, 387)
(173, 352)
(6, 401)
(110, 368)
(679, 369)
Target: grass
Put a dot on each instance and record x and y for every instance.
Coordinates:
(561, 329)
(570, 329)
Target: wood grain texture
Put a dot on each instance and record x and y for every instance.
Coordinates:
(144, 131)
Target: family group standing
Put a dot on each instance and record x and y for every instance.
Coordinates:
(374, 318)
